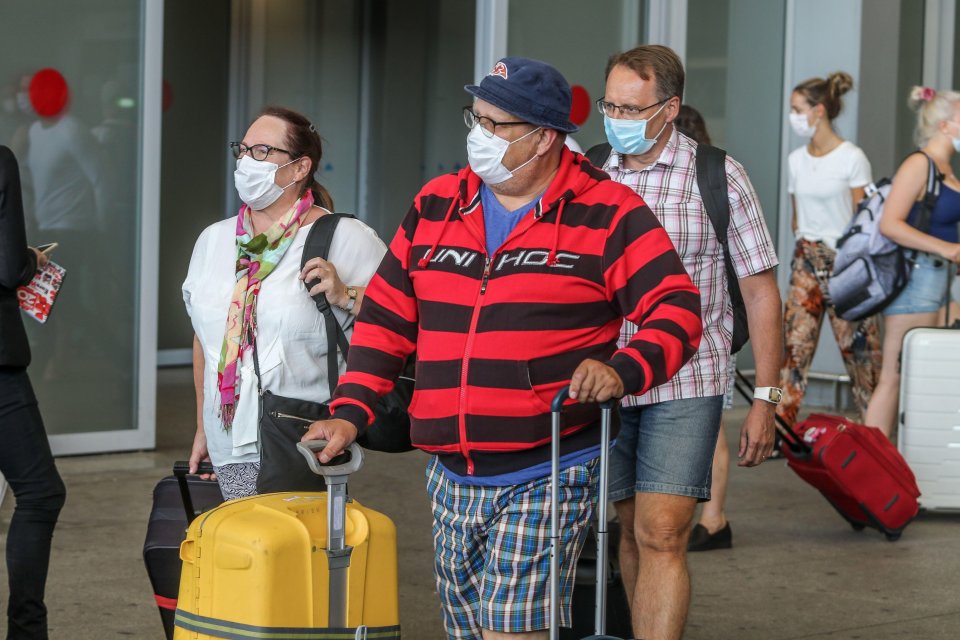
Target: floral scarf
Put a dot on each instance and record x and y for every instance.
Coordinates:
(257, 256)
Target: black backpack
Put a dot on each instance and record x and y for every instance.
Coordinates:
(712, 180)
(390, 430)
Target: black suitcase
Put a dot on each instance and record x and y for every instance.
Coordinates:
(584, 598)
(177, 500)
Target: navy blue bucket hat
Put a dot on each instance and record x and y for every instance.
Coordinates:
(529, 89)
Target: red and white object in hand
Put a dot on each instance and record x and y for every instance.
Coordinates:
(37, 298)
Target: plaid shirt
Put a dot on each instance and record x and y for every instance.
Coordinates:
(669, 187)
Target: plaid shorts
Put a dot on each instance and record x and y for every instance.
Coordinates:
(492, 548)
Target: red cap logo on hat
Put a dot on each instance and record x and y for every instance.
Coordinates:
(499, 69)
(48, 92)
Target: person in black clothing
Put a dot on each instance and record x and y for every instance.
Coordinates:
(25, 458)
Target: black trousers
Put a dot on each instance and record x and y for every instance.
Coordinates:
(27, 465)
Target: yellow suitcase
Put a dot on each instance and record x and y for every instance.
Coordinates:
(310, 566)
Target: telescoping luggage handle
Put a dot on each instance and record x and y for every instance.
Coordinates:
(600, 620)
(181, 470)
(335, 474)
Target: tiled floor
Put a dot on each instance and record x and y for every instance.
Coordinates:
(796, 570)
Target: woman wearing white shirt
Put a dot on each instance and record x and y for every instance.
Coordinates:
(827, 180)
(244, 279)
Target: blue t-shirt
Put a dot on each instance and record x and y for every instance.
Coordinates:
(943, 218)
(523, 476)
(498, 220)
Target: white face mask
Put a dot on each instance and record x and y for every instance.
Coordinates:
(801, 126)
(485, 155)
(255, 181)
(956, 141)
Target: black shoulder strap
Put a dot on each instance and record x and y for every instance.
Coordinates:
(598, 154)
(934, 178)
(319, 240)
(712, 181)
(317, 245)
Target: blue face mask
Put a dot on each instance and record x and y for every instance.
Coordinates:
(630, 136)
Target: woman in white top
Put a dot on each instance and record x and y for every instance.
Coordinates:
(827, 180)
(244, 279)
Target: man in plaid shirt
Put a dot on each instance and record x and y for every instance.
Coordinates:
(661, 463)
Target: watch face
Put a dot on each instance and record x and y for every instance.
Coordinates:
(776, 394)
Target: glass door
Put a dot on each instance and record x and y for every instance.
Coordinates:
(84, 123)
(382, 81)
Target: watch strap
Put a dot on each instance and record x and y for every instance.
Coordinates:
(773, 395)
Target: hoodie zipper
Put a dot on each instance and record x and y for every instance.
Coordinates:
(464, 449)
(488, 263)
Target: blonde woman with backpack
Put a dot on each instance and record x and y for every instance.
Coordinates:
(826, 181)
(938, 250)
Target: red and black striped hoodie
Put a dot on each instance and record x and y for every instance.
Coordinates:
(497, 335)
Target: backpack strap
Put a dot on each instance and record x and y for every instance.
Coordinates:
(934, 178)
(712, 181)
(598, 154)
(318, 246)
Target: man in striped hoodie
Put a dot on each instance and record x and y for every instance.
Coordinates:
(511, 279)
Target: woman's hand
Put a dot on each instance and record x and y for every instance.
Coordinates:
(321, 277)
(199, 454)
(951, 252)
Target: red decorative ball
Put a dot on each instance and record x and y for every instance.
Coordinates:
(579, 105)
(48, 92)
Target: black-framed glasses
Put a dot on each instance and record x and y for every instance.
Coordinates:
(626, 111)
(258, 151)
(488, 125)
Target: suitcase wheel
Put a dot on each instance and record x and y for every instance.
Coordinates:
(858, 526)
(893, 537)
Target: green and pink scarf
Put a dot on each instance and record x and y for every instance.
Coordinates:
(257, 256)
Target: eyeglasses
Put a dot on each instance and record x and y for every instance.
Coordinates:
(258, 151)
(471, 118)
(628, 112)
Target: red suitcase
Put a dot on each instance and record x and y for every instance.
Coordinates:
(856, 468)
(858, 471)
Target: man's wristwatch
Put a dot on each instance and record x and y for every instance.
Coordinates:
(351, 299)
(772, 395)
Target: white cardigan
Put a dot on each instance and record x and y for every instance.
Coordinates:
(291, 343)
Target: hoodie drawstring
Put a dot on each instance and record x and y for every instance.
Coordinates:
(552, 256)
(425, 260)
